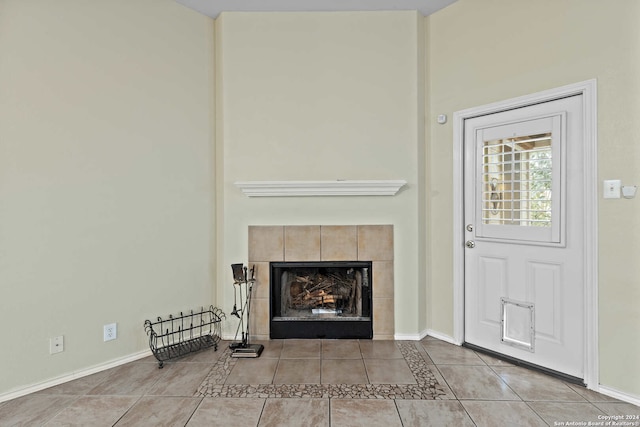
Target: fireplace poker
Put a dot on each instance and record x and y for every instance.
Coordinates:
(235, 303)
(240, 316)
(249, 291)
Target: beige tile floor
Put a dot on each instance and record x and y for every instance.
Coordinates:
(478, 391)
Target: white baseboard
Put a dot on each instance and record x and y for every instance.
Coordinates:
(625, 397)
(423, 334)
(442, 337)
(73, 376)
(406, 337)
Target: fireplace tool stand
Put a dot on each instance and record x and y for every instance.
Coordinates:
(243, 278)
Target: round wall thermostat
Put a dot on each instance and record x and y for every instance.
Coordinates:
(442, 119)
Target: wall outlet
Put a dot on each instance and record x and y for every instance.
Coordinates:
(110, 332)
(56, 344)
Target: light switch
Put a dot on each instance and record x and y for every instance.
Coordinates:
(611, 189)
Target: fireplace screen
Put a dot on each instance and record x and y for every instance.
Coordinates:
(320, 292)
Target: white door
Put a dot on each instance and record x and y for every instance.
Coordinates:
(523, 210)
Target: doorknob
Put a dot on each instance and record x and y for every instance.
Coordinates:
(470, 244)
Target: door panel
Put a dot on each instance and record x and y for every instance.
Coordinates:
(524, 293)
(545, 279)
(492, 283)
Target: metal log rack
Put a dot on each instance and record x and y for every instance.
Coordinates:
(179, 335)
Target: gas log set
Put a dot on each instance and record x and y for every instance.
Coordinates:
(313, 296)
(337, 292)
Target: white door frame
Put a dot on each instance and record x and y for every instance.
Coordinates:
(590, 175)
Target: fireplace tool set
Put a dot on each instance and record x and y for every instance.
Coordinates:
(243, 280)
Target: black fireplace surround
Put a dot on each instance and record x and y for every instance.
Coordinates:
(321, 299)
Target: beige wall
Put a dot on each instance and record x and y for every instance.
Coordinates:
(322, 96)
(105, 177)
(107, 167)
(490, 50)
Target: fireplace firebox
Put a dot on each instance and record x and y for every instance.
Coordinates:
(321, 299)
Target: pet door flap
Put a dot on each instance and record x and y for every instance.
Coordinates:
(517, 324)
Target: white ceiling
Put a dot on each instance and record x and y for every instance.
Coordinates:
(213, 8)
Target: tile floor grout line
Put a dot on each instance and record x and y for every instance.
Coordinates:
(62, 409)
(446, 382)
(264, 405)
(466, 412)
(536, 412)
(194, 411)
(504, 381)
(127, 411)
(395, 404)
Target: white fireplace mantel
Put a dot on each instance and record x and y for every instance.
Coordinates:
(320, 188)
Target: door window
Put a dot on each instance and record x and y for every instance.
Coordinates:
(520, 181)
(517, 181)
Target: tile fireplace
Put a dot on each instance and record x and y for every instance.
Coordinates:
(367, 247)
